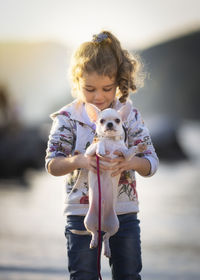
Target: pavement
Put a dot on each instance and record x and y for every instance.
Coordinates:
(32, 242)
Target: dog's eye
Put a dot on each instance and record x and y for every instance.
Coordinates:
(117, 120)
(102, 121)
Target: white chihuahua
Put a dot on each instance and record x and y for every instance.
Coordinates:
(110, 137)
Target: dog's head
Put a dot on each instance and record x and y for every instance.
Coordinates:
(109, 121)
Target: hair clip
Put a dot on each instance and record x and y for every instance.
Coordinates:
(99, 38)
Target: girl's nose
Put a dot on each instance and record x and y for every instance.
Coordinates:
(98, 94)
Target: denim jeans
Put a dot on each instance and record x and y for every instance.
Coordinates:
(125, 261)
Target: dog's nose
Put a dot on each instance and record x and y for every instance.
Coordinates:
(109, 125)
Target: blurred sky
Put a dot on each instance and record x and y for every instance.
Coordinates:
(137, 23)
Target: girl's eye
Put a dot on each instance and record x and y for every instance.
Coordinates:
(92, 90)
(89, 90)
(117, 120)
(107, 89)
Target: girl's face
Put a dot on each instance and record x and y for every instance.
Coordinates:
(97, 89)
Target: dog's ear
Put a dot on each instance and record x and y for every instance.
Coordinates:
(92, 111)
(125, 110)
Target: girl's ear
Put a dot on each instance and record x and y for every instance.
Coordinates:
(125, 110)
(92, 112)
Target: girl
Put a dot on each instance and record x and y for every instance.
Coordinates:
(102, 74)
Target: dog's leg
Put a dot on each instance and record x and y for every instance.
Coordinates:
(94, 241)
(110, 222)
(91, 218)
(91, 224)
(91, 150)
(106, 245)
(129, 153)
(101, 148)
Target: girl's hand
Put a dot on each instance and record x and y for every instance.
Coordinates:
(122, 164)
(90, 162)
(141, 165)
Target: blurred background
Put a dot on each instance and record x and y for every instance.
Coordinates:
(37, 39)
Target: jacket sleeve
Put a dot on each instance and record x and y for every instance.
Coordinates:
(139, 133)
(61, 138)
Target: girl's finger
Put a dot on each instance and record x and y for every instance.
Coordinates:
(115, 174)
(93, 169)
(103, 158)
(117, 160)
(118, 153)
(119, 171)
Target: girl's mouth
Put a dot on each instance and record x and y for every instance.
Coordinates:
(101, 106)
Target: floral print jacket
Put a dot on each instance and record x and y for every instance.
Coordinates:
(72, 131)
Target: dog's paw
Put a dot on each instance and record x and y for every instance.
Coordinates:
(102, 154)
(141, 147)
(100, 149)
(93, 243)
(107, 251)
(128, 154)
(94, 240)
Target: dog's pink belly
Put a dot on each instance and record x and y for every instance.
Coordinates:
(109, 220)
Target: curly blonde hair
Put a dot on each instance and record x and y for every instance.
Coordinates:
(105, 56)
